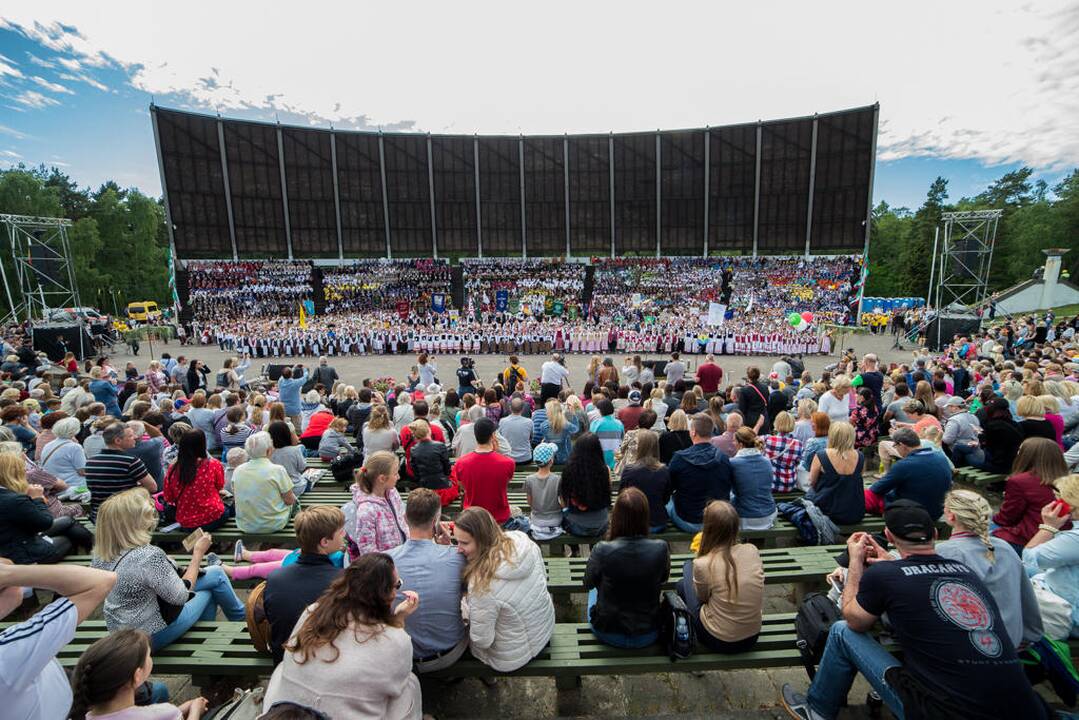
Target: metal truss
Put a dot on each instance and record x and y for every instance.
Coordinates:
(50, 283)
(962, 266)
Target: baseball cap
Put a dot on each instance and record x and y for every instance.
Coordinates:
(908, 520)
(955, 400)
(634, 397)
(180, 403)
(544, 453)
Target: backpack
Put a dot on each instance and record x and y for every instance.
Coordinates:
(343, 467)
(258, 627)
(814, 620)
(676, 634)
(512, 379)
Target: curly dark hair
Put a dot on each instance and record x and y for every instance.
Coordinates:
(586, 479)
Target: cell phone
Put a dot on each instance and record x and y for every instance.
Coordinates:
(190, 540)
(836, 585)
(1063, 508)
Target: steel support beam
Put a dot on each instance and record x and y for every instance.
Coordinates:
(385, 194)
(521, 165)
(431, 192)
(812, 181)
(479, 218)
(659, 194)
(336, 196)
(610, 165)
(707, 180)
(565, 189)
(228, 186)
(869, 204)
(757, 192)
(284, 189)
(164, 184)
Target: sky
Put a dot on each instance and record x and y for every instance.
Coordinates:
(967, 90)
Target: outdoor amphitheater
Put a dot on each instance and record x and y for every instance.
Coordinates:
(357, 420)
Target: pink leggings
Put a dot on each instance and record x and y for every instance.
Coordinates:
(262, 564)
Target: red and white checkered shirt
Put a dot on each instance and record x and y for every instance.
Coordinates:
(785, 452)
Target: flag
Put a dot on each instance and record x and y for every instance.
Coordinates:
(303, 318)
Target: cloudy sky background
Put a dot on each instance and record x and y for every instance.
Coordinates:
(967, 90)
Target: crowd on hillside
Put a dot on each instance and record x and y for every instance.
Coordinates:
(379, 285)
(544, 286)
(246, 289)
(612, 459)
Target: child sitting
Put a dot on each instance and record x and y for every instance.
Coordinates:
(541, 488)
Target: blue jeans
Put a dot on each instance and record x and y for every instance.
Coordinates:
(212, 591)
(964, 455)
(679, 523)
(657, 528)
(517, 522)
(618, 640)
(847, 654)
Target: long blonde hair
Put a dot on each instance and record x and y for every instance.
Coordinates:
(972, 511)
(124, 521)
(380, 418)
(555, 417)
(13, 472)
(493, 547)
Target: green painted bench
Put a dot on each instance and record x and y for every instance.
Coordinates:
(565, 576)
(978, 478)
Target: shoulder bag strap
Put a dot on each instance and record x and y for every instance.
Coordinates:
(46, 458)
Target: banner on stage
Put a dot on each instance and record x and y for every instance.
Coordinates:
(514, 306)
(717, 313)
(309, 307)
(636, 300)
(572, 312)
(502, 300)
(402, 308)
(438, 302)
(558, 308)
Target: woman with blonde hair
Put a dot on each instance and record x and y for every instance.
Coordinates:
(575, 409)
(558, 429)
(784, 451)
(836, 402)
(353, 625)
(510, 613)
(28, 531)
(655, 403)
(1033, 422)
(835, 477)
(379, 433)
(378, 514)
(592, 371)
(1051, 412)
(1038, 465)
(923, 392)
(257, 414)
(803, 425)
(147, 580)
(1051, 557)
(676, 437)
(993, 561)
(723, 587)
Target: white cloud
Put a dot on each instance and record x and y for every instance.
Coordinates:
(41, 62)
(996, 81)
(86, 79)
(35, 100)
(10, 154)
(51, 86)
(7, 69)
(5, 130)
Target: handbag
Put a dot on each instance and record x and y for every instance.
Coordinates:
(244, 705)
(343, 467)
(169, 612)
(676, 626)
(814, 621)
(1056, 611)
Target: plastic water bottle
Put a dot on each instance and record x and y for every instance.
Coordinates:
(681, 629)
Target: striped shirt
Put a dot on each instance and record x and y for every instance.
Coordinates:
(32, 683)
(110, 472)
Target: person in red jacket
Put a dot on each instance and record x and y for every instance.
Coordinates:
(420, 410)
(485, 475)
(1038, 464)
(316, 426)
(709, 376)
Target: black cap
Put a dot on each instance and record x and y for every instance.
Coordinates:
(908, 520)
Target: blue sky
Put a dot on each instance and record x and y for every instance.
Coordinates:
(982, 89)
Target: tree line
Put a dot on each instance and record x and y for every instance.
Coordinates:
(1035, 217)
(119, 241)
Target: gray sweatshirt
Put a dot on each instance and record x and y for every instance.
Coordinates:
(961, 427)
(1005, 579)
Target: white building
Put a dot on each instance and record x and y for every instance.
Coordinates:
(1035, 294)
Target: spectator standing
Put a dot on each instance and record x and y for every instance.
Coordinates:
(289, 386)
(709, 376)
(753, 401)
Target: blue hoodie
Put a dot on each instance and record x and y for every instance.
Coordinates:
(699, 474)
(288, 390)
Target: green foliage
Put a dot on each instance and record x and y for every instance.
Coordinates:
(119, 243)
(901, 244)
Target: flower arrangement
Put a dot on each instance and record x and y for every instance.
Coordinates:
(383, 384)
(534, 386)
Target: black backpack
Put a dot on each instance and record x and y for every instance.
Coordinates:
(513, 377)
(343, 467)
(815, 618)
(676, 634)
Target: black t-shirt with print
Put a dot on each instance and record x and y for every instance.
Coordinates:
(953, 638)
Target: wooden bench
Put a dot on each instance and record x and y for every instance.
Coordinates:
(978, 478)
(565, 576)
(214, 650)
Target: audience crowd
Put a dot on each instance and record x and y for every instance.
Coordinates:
(399, 581)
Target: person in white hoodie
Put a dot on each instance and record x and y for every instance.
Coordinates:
(510, 613)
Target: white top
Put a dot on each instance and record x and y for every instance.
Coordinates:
(837, 409)
(32, 683)
(553, 373)
(64, 458)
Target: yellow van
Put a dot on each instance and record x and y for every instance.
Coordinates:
(143, 311)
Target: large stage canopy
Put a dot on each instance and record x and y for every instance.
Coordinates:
(239, 189)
